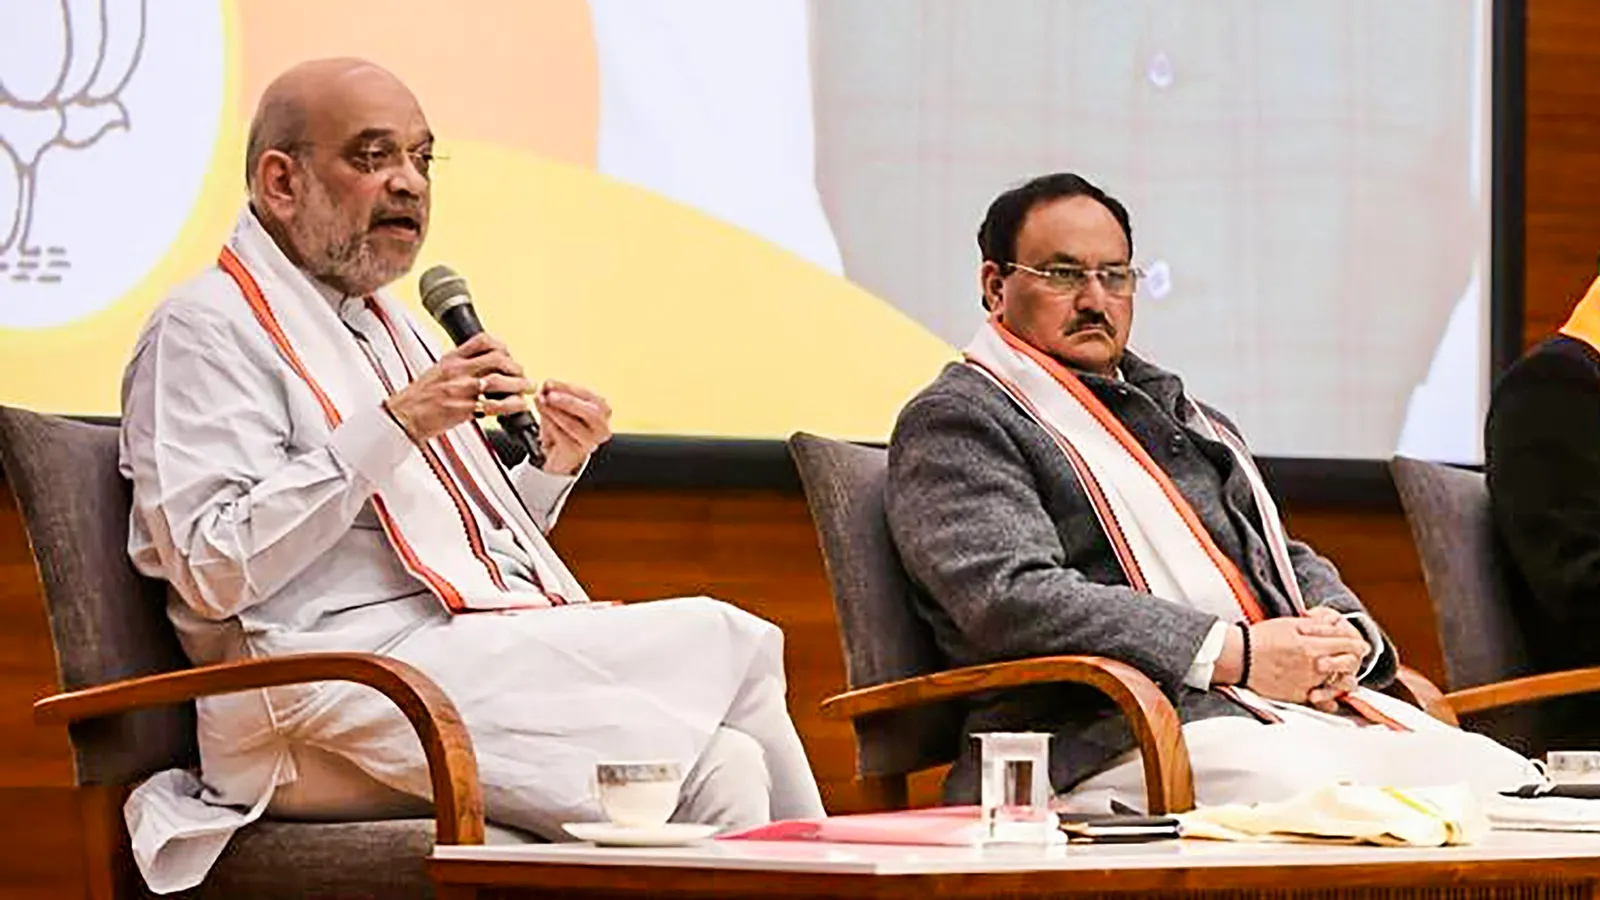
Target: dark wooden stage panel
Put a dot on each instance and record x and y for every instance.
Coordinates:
(731, 886)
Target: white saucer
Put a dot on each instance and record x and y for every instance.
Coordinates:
(672, 834)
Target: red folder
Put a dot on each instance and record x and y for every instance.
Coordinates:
(946, 826)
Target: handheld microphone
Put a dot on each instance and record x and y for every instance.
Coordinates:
(445, 297)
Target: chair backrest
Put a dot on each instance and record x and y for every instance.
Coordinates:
(1468, 582)
(883, 637)
(107, 622)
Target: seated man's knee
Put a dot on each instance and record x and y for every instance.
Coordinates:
(730, 785)
(738, 760)
(738, 621)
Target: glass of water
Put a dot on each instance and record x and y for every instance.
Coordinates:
(1015, 796)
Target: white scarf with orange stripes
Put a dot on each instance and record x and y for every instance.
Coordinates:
(1161, 544)
(427, 509)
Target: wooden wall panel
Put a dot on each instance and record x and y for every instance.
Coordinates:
(1562, 160)
(29, 755)
(41, 833)
(41, 844)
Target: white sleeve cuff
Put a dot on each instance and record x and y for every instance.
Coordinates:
(543, 493)
(372, 444)
(1205, 660)
(1374, 635)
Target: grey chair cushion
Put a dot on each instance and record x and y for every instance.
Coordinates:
(384, 860)
(107, 622)
(1472, 596)
(271, 860)
(883, 637)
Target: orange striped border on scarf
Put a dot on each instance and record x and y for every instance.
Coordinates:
(1241, 591)
(1064, 377)
(1103, 510)
(469, 522)
(483, 440)
(235, 269)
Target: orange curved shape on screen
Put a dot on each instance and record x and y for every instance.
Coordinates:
(524, 75)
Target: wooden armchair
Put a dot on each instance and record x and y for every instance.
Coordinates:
(1487, 660)
(127, 693)
(901, 703)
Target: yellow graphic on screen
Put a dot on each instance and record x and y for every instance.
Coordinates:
(689, 325)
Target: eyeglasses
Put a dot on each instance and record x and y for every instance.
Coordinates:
(1068, 279)
(382, 155)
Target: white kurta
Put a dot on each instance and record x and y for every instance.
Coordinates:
(262, 521)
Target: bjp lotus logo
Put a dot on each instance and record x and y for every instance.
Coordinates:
(108, 112)
(121, 138)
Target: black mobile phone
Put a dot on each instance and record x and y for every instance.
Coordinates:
(1119, 828)
(1579, 791)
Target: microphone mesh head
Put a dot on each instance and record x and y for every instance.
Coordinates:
(441, 288)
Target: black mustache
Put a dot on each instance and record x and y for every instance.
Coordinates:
(1090, 319)
(415, 215)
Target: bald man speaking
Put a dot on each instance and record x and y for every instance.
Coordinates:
(308, 474)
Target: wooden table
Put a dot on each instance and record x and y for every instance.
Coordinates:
(1505, 865)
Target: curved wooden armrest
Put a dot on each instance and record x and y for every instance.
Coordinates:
(1169, 782)
(1415, 688)
(1524, 690)
(457, 796)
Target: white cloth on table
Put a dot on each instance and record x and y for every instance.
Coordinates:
(1348, 813)
(1544, 814)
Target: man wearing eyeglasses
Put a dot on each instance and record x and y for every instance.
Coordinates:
(1055, 493)
(308, 475)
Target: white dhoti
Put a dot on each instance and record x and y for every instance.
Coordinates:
(547, 694)
(1243, 760)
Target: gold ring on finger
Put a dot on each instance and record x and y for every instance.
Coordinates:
(478, 407)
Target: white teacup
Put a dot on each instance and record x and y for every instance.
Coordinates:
(638, 794)
(1573, 766)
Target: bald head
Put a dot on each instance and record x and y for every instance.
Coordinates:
(337, 164)
(284, 113)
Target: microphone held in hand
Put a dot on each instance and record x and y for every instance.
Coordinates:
(445, 297)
